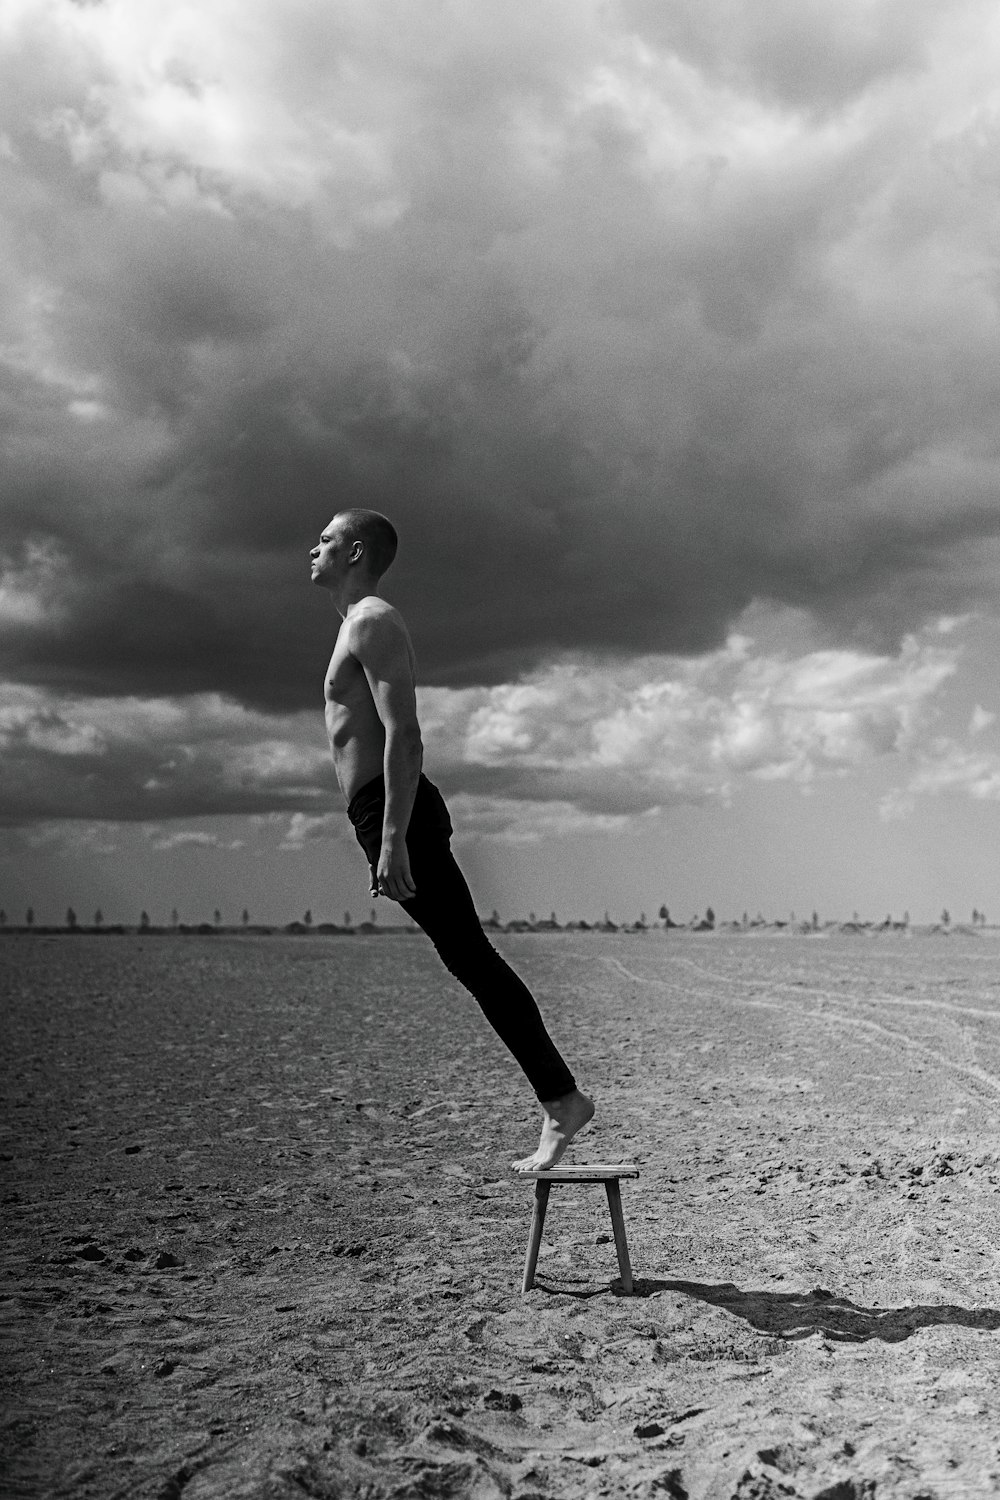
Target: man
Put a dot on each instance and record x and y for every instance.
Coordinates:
(400, 818)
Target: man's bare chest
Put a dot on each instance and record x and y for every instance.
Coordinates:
(345, 678)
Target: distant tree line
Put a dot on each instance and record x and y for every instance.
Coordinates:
(706, 923)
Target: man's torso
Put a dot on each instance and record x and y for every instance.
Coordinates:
(354, 729)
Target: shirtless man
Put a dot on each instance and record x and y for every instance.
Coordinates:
(400, 818)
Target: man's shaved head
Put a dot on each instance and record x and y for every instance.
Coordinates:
(376, 534)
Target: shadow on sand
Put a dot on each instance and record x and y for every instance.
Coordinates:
(798, 1315)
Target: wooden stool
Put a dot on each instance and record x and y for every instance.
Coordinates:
(610, 1175)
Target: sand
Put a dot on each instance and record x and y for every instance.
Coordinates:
(263, 1240)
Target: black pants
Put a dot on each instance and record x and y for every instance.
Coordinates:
(443, 907)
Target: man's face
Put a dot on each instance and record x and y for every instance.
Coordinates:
(329, 557)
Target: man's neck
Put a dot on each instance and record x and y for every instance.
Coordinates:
(352, 593)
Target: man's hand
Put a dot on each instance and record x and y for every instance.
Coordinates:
(394, 878)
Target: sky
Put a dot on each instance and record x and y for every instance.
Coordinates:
(666, 334)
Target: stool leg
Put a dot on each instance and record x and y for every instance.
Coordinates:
(618, 1225)
(535, 1237)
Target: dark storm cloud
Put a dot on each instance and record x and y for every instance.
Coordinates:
(627, 315)
(133, 759)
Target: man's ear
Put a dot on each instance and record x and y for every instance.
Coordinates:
(356, 552)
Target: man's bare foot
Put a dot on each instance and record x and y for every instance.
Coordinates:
(563, 1118)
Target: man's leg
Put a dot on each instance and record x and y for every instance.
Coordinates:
(444, 908)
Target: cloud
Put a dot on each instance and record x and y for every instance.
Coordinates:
(628, 314)
(577, 743)
(139, 760)
(945, 767)
(586, 739)
(305, 828)
(60, 836)
(508, 820)
(28, 587)
(190, 838)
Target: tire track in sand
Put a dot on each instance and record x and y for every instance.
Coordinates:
(980, 1085)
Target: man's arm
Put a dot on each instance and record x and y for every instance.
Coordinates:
(380, 646)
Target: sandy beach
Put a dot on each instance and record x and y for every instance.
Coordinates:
(263, 1239)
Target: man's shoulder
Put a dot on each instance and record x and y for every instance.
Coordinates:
(376, 622)
(376, 613)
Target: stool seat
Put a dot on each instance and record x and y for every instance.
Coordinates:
(588, 1171)
(596, 1171)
